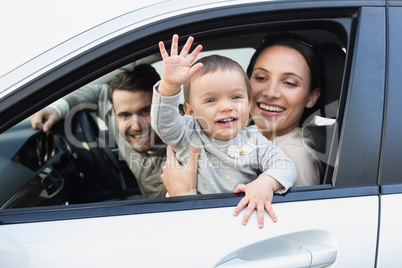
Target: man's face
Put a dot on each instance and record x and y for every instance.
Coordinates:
(134, 119)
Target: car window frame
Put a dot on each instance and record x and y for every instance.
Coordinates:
(67, 80)
(390, 180)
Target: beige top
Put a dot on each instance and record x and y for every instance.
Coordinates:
(298, 145)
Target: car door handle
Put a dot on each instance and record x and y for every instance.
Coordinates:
(309, 255)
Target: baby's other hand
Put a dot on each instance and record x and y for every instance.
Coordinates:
(259, 194)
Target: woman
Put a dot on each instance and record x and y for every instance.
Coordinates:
(286, 77)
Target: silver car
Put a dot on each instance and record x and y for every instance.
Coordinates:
(59, 209)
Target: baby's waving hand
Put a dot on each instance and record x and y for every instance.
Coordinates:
(259, 194)
(177, 68)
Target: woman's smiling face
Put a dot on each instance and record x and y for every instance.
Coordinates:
(281, 90)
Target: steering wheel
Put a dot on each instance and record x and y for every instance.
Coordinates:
(103, 156)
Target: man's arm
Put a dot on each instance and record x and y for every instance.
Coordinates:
(48, 116)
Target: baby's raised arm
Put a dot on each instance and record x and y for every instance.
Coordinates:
(177, 68)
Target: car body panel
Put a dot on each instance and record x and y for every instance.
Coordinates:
(390, 232)
(185, 238)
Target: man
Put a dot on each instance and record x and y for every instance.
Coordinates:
(125, 106)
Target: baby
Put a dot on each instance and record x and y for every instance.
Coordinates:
(217, 96)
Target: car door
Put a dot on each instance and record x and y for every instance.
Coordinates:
(390, 235)
(333, 224)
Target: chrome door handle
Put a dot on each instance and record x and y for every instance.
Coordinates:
(309, 255)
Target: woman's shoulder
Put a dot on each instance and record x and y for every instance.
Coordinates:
(298, 143)
(297, 137)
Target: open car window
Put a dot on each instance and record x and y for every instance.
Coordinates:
(59, 169)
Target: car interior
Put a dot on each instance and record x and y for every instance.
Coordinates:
(47, 169)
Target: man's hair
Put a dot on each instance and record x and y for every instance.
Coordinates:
(142, 78)
(211, 64)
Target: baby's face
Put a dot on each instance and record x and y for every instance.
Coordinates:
(219, 102)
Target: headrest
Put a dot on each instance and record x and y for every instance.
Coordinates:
(333, 60)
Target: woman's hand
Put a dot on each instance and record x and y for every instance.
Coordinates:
(259, 194)
(178, 179)
(177, 68)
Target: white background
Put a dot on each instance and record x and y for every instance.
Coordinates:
(30, 27)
